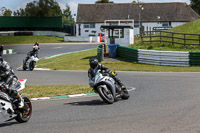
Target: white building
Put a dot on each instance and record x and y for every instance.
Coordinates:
(90, 17)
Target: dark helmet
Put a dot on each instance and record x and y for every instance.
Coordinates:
(36, 43)
(35, 48)
(93, 63)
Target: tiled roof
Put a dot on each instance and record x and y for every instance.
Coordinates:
(174, 12)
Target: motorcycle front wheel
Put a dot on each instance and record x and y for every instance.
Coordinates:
(32, 65)
(25, 115)
(24, 65)
(125, 94)
(106, 94)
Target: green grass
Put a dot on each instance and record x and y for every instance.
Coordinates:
(73, 61)
(80, 61)
(165, 47)
(191, 27)
(30, 39)
(55, 90)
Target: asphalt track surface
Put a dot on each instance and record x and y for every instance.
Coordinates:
(161, 103)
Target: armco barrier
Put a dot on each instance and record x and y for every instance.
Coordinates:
(194, 58)
(126, 53)
(99, 53)
(167, 58)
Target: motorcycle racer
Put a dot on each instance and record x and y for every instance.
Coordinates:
(34, 52)
(10, 82)
(95, 65)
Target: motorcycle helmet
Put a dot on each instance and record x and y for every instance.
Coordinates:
(93, 63)
(36, 44)
(35, 48)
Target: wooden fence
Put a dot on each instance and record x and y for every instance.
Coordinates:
(171, 37)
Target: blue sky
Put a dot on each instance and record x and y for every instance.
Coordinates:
(16, 4)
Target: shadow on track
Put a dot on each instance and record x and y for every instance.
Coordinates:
(87, 103)
(6, 124)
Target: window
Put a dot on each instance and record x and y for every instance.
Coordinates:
(165, 24)
(86, 26)
(119, 33)
(91, 25)
(136, 25)
(122, 33)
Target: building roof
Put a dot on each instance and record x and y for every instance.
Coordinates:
(174, 12)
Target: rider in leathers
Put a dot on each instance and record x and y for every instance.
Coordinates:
(94, 65)
(34, 52)
(11, 82)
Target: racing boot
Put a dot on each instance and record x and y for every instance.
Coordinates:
(120, 83)
(20, 101)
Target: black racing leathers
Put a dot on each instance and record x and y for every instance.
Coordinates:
(1, 50)
(91, 73)
(8, 77)
(32, 53)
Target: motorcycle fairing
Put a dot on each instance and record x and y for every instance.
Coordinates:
(107, 83)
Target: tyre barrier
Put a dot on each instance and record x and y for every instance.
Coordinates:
(154, 57)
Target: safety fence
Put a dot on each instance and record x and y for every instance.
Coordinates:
(129, 54)
(166, 58)
(194, 58)
(30, 22)
(171, 37)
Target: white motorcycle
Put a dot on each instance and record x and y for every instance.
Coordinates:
(107, 88)
(30, 64)
(10, 110)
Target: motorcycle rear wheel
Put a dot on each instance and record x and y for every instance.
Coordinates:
(24, 115)
(106, 96)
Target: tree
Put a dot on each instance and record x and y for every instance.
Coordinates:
(104, 1)
(43, 8)
(134, 1)
(5, 12)
(195, 4)
(67, 16)
(20, 12)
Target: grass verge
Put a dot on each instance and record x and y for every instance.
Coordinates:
(30, 39)
(190, 27)
(73, 61)
(80, 61)
(55, 90)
